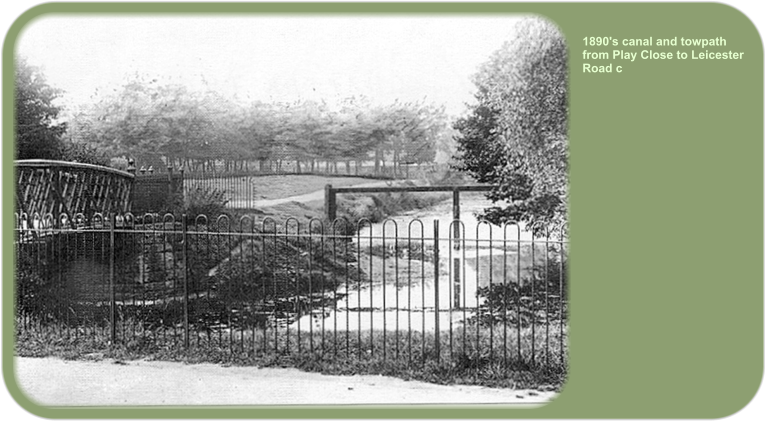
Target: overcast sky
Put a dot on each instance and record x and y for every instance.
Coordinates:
(271, 58)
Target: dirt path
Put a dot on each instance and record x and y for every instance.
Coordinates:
(55, 382)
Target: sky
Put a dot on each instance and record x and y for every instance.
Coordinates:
(271, 58)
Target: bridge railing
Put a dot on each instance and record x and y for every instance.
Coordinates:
(59, 187)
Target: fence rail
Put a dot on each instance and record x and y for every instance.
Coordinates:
(240, 189)
(300, 288)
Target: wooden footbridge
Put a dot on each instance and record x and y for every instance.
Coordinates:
(53, 188)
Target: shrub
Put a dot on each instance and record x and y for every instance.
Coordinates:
(538, 302)
(204, 201)
(119, 163)
(278, 275)
(377, 208)
(84, 153)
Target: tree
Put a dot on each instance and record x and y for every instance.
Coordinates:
(38, 135)
(480, 152)
(516, 136)
(150, 120)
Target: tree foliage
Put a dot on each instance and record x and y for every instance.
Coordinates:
(162, 123)
(516, 135)
(38, 133)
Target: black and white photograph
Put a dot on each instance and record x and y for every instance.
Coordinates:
(291, 209)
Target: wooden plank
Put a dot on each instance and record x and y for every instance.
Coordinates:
(62, 189)
(115, 195)
(77, 198)
(99, 182)
(62, 205)
(413, 189)
(39, 186)
(112, 194)
(29, 192)
(24, 186)
(92, 204)
(20, 204)
(101, 199)
(127, 194)
(102, 184)
(89, 186)
(46, 182)
(87, 193)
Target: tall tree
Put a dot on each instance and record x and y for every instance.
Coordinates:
(516, 137)
(479, 151)
(38, 135)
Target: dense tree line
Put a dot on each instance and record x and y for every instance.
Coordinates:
(168, 124)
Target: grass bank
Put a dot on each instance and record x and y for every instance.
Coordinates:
(377, 207)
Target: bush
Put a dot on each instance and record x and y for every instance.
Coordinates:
(34, 294)
(538, 302)
(277, 275)
(119, 163)
(84, 153)
(204, 201)
(377, 208)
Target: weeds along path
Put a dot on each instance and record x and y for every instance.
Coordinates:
(129, 383)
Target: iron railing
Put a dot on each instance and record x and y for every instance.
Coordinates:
(408, 294)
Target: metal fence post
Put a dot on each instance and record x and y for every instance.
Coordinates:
(437, 340)
(185, 248)
(132, 192)
(181, 188)
(112, 298)
(170, 183)
(456, 246)
(329, 202)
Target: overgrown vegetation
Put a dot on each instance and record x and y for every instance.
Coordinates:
(378, 207)
(203, 201)
(488, 358)
(536, 302)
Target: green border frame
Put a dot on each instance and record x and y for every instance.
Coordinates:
(666, 217)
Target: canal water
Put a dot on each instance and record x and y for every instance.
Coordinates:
(406, 293)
